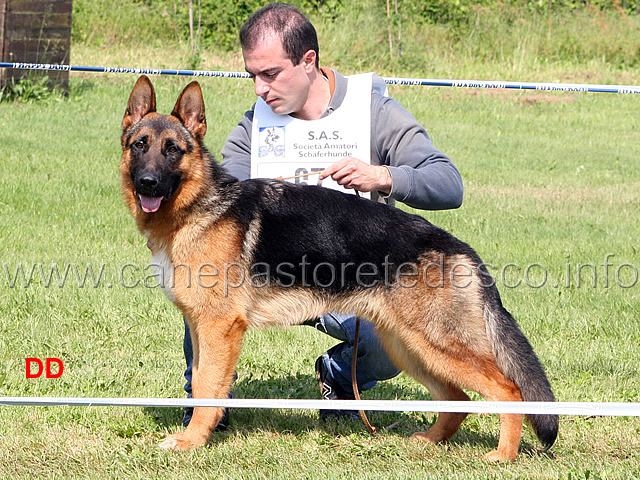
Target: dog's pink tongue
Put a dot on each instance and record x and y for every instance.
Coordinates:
(150, 204)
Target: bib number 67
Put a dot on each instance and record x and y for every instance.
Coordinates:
(302, 175)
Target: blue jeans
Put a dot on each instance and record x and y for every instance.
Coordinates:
(373, 363)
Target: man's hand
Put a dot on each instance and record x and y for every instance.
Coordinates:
(358, 175)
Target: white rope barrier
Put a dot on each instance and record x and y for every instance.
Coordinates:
(553, 408)
(614, 409)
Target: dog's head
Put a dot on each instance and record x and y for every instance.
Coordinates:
(158, 151)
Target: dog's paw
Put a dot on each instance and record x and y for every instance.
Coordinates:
(497, 456)
(178, 441)
(422, 437)
(169, 443)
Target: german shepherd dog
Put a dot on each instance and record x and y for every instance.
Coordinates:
(234, 255)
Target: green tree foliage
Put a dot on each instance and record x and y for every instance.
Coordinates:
(460, 11)
(221, 19)
(363, 31)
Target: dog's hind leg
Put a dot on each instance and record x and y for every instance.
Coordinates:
(447, 423)
(493, 386)
(483, 376)
(500, 388)
(476, 372)
(216, 346)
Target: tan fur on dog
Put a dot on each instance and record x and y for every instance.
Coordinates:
(436, 316)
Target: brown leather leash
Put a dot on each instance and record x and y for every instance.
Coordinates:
(354, 383)
(354, 359)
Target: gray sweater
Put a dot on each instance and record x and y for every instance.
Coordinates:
(422, 176)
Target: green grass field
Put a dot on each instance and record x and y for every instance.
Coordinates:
(552, 190)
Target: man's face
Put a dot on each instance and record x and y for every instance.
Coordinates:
(282, 85)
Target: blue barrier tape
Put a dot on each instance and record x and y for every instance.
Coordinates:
(561, 87)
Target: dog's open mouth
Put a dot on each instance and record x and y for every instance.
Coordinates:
(150, 204)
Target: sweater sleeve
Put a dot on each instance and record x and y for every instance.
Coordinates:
(422, 176)
(236, 152)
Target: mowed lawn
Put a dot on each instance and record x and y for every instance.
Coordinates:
(551, 203)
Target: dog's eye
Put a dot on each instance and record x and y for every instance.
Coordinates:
(138, 145)
(172, 149)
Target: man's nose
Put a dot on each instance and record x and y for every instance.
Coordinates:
(261, 87)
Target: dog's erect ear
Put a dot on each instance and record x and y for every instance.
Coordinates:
(141, 101)
(189, 110)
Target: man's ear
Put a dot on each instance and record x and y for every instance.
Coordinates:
(141, 102)
(189, 110)
(309, 60)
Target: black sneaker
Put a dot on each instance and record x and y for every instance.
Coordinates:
(332, 391)
(223, 424)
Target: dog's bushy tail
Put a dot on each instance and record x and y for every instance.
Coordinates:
(518, 362)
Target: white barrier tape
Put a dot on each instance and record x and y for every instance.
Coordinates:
(616, 409)
(560, 87)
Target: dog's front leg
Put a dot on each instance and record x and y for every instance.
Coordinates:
(216, 348)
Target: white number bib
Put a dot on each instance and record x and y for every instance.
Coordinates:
(283, 146)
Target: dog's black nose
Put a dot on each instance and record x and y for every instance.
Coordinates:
(148, 182)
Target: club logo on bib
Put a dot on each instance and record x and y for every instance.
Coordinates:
(271, 142)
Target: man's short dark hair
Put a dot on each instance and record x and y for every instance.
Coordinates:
(297, 33)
